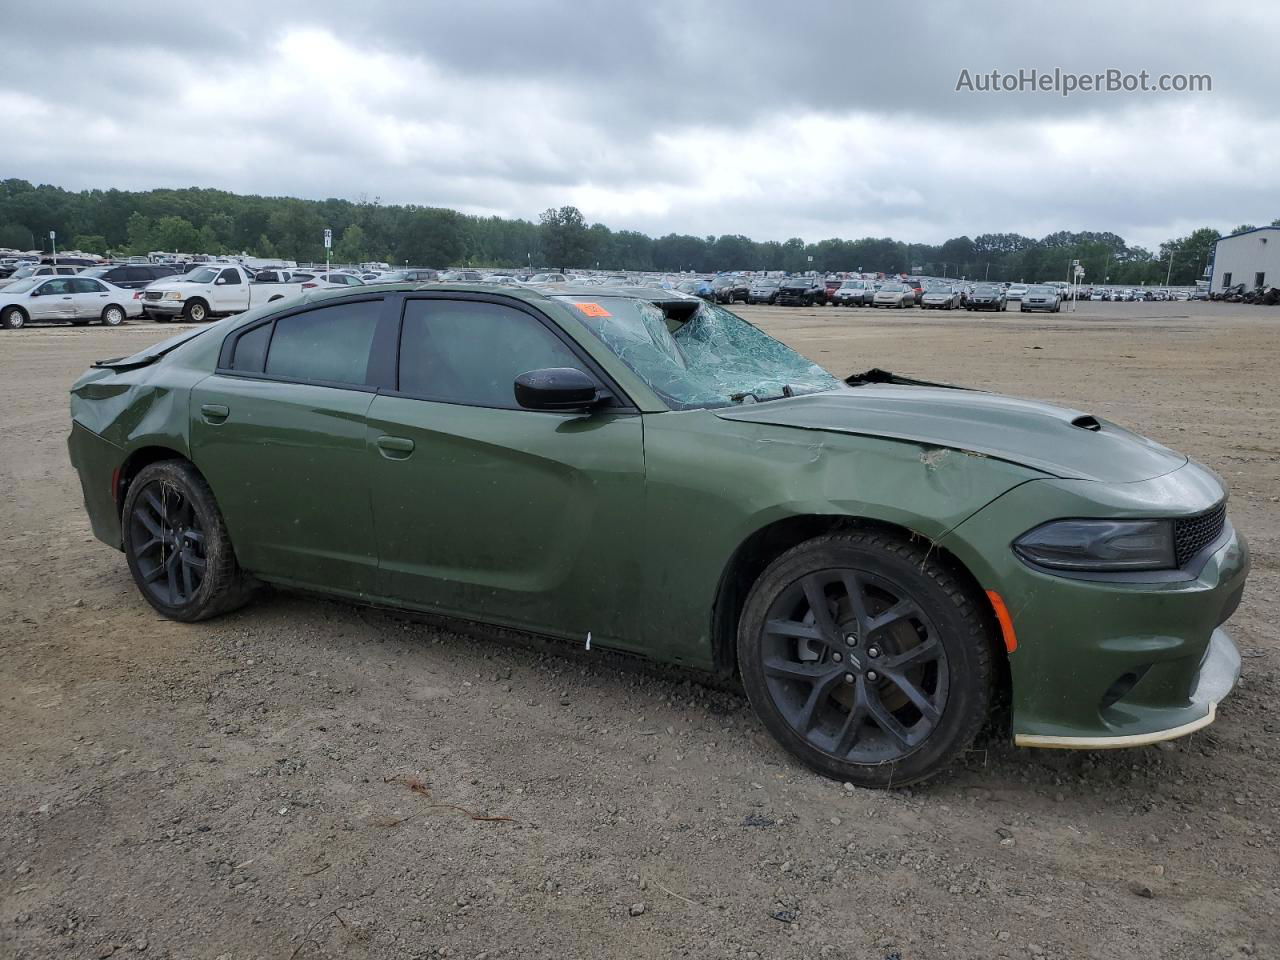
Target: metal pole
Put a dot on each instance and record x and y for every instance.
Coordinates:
(1169, 274)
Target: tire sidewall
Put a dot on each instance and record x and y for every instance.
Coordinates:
(112, 310)
(13, 319)
(216, 542)
(969, 693)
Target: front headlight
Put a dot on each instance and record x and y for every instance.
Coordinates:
(173, 295)
(1100, 545)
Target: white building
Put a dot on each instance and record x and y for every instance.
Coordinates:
(1251, 258)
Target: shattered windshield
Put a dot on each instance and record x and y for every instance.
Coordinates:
(706, 358)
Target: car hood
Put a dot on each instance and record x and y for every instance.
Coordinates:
(1056, 440)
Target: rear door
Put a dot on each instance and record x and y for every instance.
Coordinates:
(279, 432)
(88, 298)
(490, 511)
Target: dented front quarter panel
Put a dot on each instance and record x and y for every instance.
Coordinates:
(712, 482)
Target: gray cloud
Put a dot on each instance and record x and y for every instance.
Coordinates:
(811, 119)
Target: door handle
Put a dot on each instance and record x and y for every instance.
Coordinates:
(214, 412)
(395, 448)
(66, 298)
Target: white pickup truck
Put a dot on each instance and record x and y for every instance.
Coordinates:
(215, 289)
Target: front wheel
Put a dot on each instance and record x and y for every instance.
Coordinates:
(195, 312)
(177, 544)
(867, 658)
(13, 319)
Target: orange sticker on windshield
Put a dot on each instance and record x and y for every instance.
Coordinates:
(593, 310)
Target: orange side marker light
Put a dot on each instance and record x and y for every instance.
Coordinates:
(1005, 621)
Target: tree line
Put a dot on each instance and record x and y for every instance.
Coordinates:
(197, 220)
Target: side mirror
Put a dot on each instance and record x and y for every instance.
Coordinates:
(557, 388)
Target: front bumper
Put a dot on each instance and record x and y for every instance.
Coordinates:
(170, 308)
(1110, 662)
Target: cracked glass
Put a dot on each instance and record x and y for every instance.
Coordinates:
(708, 357)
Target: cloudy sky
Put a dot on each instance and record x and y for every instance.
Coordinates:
(771, 119)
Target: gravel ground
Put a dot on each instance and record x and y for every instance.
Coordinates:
(309, 779)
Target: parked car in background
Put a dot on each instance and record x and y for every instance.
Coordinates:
(985, 296)
(941, 297)
(39, 270)
(130, 276)
(421, 275)
(697, 287)
(324, 281)
(854, 293)
(802, 292)
(829, 290)
(763, 290)
(1016, 291)
(1041, 297)
(216, 289)
(74, 299)
(894, 294)
(462, 275)
(731, 289)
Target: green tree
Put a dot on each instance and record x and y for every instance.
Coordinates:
(1243, 228)
(176, 234)
(90, 243)
(15, 236)
(141, 233)
(352, 245)
(565, 240)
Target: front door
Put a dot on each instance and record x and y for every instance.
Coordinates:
(279, 433)
(230, 292)
(490, 511)
(55, 300)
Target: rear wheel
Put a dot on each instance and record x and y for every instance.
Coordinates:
(867, 658)
(177, 544)
(113, 316)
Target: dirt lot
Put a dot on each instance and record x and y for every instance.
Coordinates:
(243, 788)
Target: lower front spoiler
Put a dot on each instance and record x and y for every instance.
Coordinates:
(1219, 671)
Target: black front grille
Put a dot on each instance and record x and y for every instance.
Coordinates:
(1193, 534)
(153, 295)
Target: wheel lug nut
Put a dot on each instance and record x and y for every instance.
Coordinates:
(836, 657)
(872, 676)
(873, 652)
(849, 678)
(851, 639)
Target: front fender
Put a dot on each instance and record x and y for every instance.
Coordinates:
(712, 483)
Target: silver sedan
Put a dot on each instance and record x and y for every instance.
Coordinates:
(77, 300)
(941, 298)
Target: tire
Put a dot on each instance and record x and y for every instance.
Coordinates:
(14, 318)
(168, 504)
(868, 730)
(112, 316)
(196, 311)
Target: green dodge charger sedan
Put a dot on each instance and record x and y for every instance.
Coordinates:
(876, 558)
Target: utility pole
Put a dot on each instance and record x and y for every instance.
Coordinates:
(53, 245)
(1169, 275)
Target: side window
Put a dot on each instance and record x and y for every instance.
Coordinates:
(251, 349)
(229, 276)
(133, 275)
(60, 287)
(328, 344)
(470, 352)
(85, 285)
